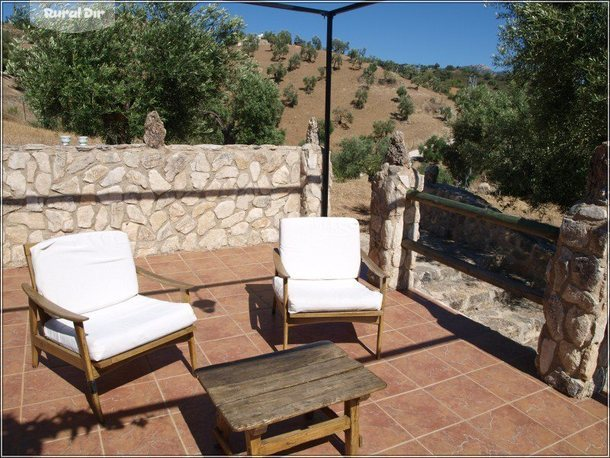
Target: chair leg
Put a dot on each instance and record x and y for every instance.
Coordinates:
(94, 400)
(285, 334)
(193, 354)
(379, 333)
(35, 356)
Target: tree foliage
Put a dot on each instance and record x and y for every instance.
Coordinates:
(291, 97)
(343, 117)
(337, 61)
(294, 62)
(405, 107)
(535, 137)
(362, 95)
(316, 43)
(309, 53)
(277, 72)
(249, 44)
(383, 128)
(340, 46)
(434, 149)
(368, 74)
(164, 56)
(309, 83)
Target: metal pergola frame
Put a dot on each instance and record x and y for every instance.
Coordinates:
(329, 15)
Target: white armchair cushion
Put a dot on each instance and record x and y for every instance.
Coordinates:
(87, 271)
(320, 248)
(327, 295)
(124, 326)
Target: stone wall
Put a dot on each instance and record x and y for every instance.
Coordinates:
(573, 346)
(520, 254)
(178, 197)
(393, 218)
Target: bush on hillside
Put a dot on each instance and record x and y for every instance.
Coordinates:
(401, 91)
(309, 53)
(294, 62)
(434, 149)
(291, 97)
(249, 44)
(382, 129)
(316, 43)
(277, 72)
(298, 41)
(279, 51)
(362, 95)
(405, 107)
(309, 84)
(340, 46)
(322, 73)
(343, 117)
(337, 61)
(388, 78)
(368, 75)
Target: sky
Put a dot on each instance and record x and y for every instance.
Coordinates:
(448, 33)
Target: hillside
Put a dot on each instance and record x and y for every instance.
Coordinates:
(380, 105)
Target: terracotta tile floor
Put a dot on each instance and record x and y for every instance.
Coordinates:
(454, 387)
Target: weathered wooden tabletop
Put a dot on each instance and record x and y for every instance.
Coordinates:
(266, 389)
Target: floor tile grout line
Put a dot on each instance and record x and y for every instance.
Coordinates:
(169, 412)
(99, 432)
(566, 438)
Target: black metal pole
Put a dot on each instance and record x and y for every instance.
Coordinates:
(326, 150)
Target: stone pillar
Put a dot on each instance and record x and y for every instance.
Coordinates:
(393, 217)
(572, 355)
(311, 172)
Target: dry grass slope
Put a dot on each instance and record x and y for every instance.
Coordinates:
(379, 106)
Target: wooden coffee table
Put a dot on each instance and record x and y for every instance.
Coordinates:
(253, 393)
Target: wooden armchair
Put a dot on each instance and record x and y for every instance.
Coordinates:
(316, 275)
(84, 306)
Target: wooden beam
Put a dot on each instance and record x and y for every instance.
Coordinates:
(501, 281)
(524, 225)
(293, 438)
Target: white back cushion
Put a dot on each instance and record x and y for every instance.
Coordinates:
(85, 272)
(320, 248)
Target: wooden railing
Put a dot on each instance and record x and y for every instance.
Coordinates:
(524, 225)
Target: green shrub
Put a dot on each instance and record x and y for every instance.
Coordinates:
(362, 95)
(298, 41)
(322, 72)
(368, 75)
(446, 113)
(405, 107)
(316, 43)
(309, 53)
(383, 128)
(291, 97)
(294, 62)
(357, 155)
(342, 117)
(309, 83)
(356, 57)
(401, 91)
(434, 149)
(279, 50)
(277, 72)
(249, 44)
(340, 46)
(388, 78)
(337, 61)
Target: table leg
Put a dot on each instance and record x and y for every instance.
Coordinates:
(253, 441)
(352, 435)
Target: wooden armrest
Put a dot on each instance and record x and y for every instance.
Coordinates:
(279, 267)
(372, 266)
(164, 280)
(51, 308)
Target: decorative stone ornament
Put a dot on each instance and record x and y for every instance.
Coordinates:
(154, 130)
